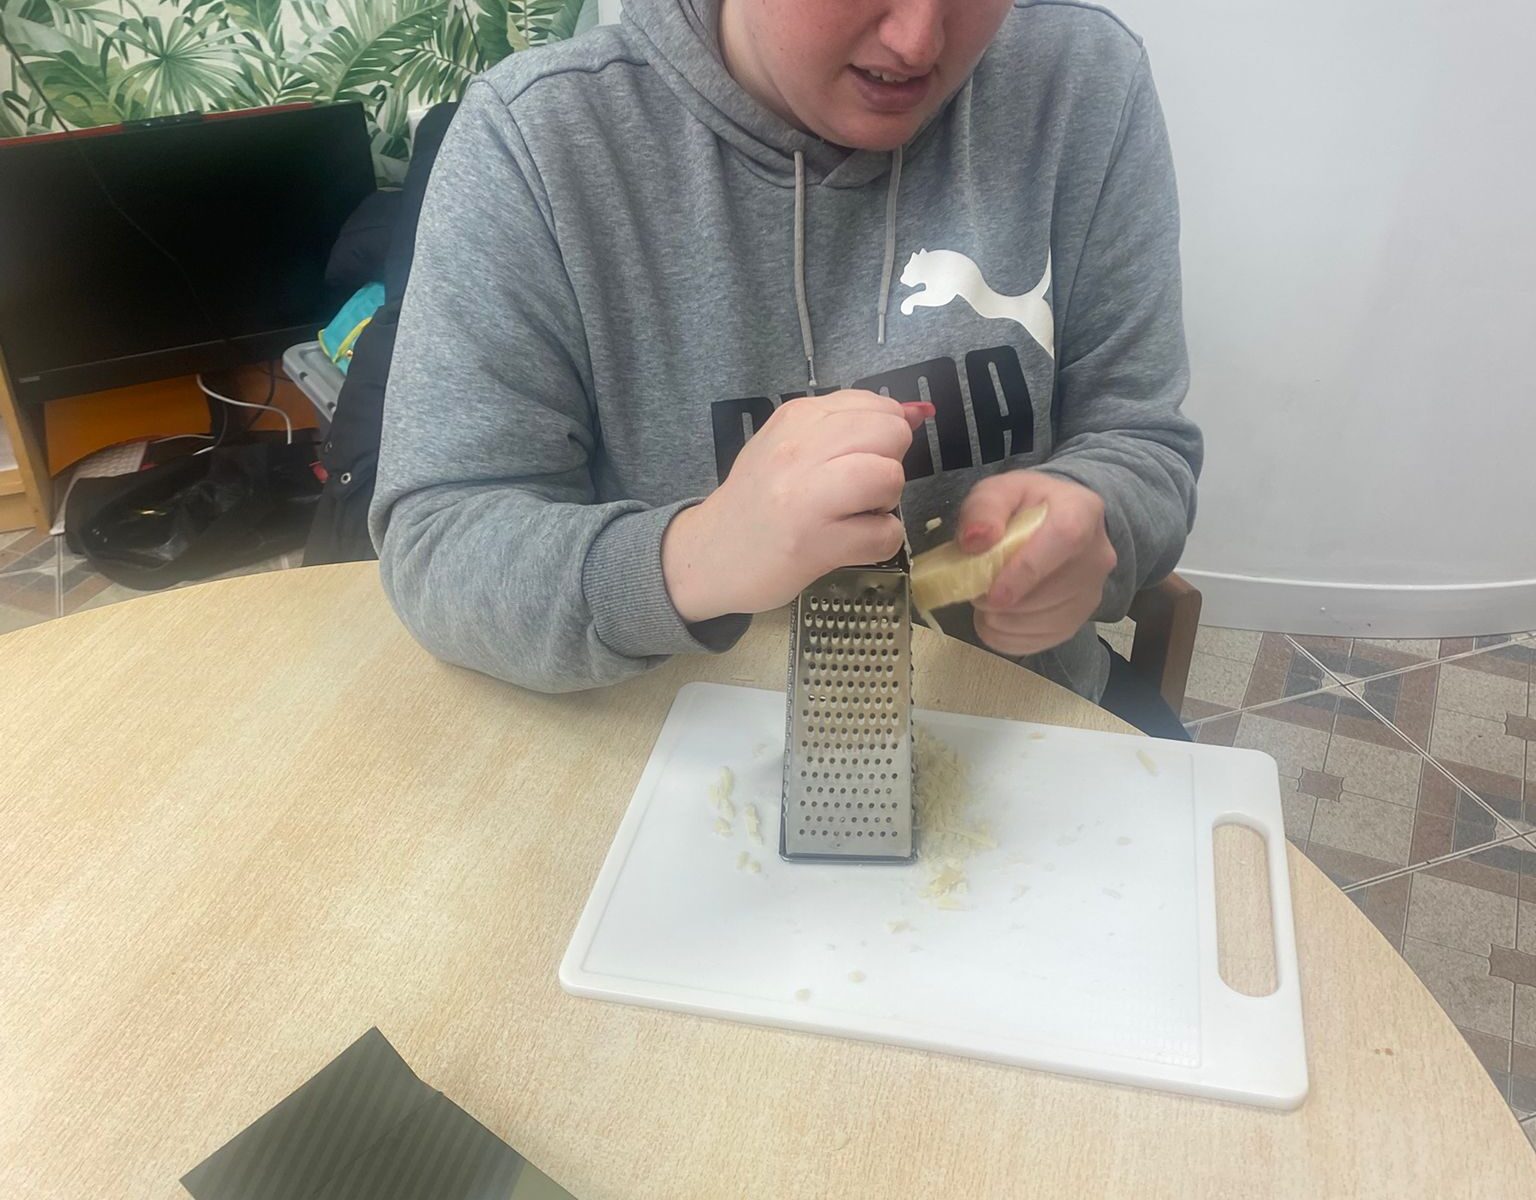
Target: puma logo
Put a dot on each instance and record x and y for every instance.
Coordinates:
(946, 274)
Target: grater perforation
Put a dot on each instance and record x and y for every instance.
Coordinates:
(848, 747)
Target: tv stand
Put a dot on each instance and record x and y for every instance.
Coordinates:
(26, 490)
(49, 438)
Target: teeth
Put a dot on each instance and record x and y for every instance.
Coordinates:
(884, 78)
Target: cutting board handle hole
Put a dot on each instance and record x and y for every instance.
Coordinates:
(1245, 938)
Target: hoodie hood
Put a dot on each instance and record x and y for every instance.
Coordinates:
(684, 43)
(683, 40)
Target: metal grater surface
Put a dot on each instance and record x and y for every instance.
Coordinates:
(848, 746)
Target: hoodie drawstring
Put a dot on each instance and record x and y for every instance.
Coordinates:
(807, 342)
(888, 266)
(892, 190)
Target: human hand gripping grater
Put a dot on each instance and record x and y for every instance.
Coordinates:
(848, 749)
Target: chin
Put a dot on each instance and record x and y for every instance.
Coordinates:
(875, 131)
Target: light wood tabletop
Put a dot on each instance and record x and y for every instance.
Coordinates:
(244, 822)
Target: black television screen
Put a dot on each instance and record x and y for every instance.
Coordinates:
(247, 204)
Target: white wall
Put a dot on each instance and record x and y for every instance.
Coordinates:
(1359, 190)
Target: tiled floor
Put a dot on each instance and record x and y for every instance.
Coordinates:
(1409, 770)
(1408, 767)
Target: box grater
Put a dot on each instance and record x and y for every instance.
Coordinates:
(848, 744)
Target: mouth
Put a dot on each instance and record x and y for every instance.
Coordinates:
(891, 91)
(886, 76)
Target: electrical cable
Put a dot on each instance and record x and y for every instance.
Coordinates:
(220, 427)
(209, 392)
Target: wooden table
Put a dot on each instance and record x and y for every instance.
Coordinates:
(246, 821)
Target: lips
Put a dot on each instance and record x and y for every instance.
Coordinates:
(890, 91)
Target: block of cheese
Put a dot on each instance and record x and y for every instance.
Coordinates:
(947, 575)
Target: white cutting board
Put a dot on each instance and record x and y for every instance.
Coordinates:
(1087, 944)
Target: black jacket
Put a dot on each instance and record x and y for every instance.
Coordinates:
(351, 449)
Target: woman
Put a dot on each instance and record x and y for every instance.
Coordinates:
(637, 246)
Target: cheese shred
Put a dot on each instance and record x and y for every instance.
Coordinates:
(720, 793)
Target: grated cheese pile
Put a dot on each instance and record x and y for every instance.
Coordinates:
(947, 833)
(945, 879)
(754, 824)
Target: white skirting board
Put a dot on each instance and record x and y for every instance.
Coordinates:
(1368, 610)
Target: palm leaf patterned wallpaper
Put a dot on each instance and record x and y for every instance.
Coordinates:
(104, 61)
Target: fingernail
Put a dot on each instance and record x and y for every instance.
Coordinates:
(974, 537)
(923, 407)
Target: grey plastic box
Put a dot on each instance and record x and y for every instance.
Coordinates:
(316, 375)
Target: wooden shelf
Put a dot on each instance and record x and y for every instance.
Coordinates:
(15, 508)
(26, 493)
(79, 425)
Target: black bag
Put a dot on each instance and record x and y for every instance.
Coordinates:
(195, 516)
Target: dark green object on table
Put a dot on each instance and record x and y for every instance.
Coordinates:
(367, 1128)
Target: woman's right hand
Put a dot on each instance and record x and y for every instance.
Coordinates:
(810, 492)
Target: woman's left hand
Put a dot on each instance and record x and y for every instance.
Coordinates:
(1052, 586)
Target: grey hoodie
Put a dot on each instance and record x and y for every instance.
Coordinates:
(625, 264)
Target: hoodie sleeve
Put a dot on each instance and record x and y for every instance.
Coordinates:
(1123, 369)
(492, 546)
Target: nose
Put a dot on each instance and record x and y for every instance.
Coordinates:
(913, 31)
